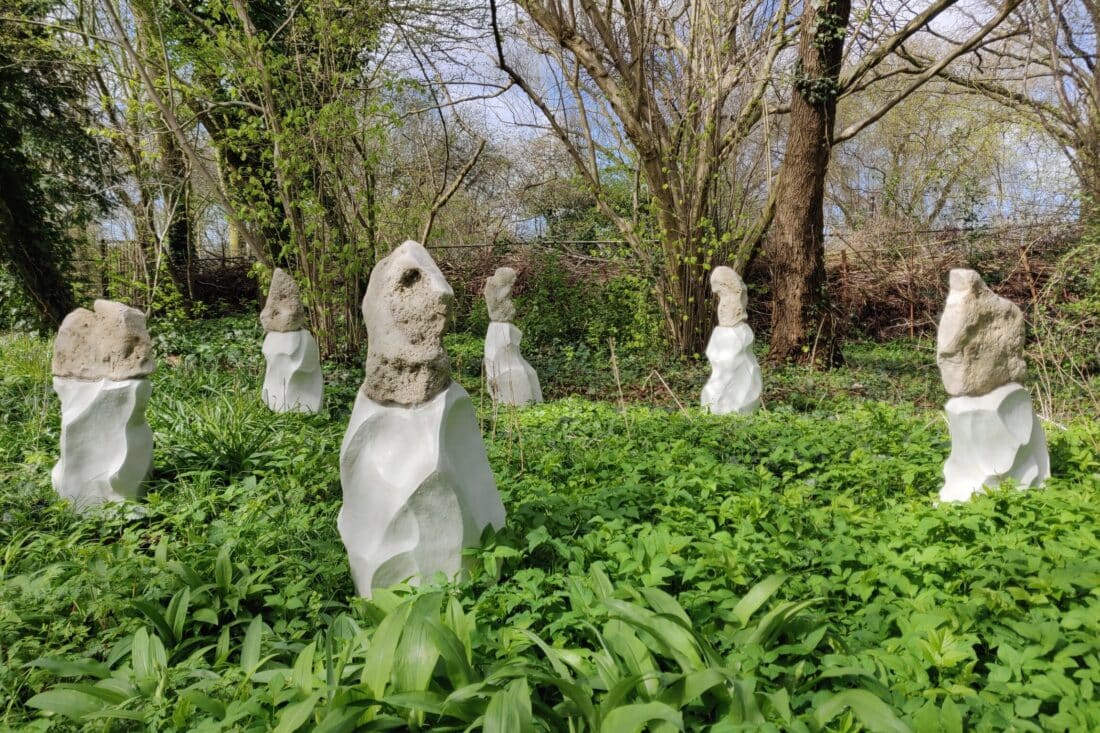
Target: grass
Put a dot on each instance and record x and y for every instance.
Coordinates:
(660, 567)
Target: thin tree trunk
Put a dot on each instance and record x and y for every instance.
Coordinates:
(803, 327)
(178, 227)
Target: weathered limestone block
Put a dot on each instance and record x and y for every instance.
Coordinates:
(416, 480)
(980, 342)
(293, 380)
(417, 489)
(733, 296)
(110, 342)
(498, 295)
(100, 360)
(994, 437)
(406, 308)
(735, 382)
(510, 378)
(106, 444)
(283, 311)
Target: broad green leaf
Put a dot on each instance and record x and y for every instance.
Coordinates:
(462, 625)
(250, 649)
(633, 652)
(104, 690)
(343, 720)
(378, 665)
(757, 596)
(70, 703)
(675, 641)
(690, 687)
(177, 613)
(633, 718)
(777, 620)
(302, 676)
(72, 667)
(293, 716)
(452, 652)
(665, 604)
(871, 711)
(416, 655)
(509, 710)
(153, 612)
(204, 702)
(223, 569)
(420, 700)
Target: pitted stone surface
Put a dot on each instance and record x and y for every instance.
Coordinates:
(293, 380)
(735, 383)
(510, 379)
(994, 437)
(106, 444)
(109, 342)
(418, 489)
(283, 311)
(733, 297)
(980, 342)
(498, 295)
(406, 309)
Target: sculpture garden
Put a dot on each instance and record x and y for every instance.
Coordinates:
(658, 564)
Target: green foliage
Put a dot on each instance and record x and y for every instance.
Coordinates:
(54, 170)
(16, 311)
(659, 570)
(556, 310)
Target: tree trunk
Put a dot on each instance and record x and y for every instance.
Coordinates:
(803, 327)
(35, 267)
(177, 238)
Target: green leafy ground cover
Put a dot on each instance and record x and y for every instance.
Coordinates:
(784, 571)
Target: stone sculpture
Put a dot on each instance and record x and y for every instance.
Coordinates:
(735, 382)
(293, 379)
(510, 378)
(416, 479)
(101, 361)
(995, 433)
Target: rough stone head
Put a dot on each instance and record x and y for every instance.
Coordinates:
(980, 341)
(283, 311)
(733, 297)
(108, 342)
(406, 309)
(498, 295)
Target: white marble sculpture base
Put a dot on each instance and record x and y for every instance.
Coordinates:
(993, 437)
(417, 489)
(510, 378)
(106, 444)
(293, 380)
(735, 382)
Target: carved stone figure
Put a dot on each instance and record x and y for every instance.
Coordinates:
(416, 479)
(994, 437)
(995, 434)
(980, 342)
(109, 342)
(510, 379)
(498, 295)
(293, 380)
(735, 382)
(733, 297)
(101, 360)
(283, 311)
(406, 308)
